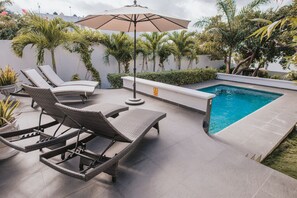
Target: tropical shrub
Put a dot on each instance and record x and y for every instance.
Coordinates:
(8, 76)
(276, 77)
(177, 77)
(7, 109)
(291, 76)
(263, 74)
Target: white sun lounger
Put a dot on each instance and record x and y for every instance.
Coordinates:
(36, 79)
(49, 73)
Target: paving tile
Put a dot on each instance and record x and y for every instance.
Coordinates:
(180, 162)
(280, 185)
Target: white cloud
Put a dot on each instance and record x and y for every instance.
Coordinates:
(188, 9)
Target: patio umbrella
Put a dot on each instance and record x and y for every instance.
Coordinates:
(134, 18)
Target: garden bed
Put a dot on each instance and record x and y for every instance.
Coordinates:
(284, 157)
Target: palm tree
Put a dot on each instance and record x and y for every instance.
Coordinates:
(266, 32)
(43, 34)
(192, 56)
(164, 52)
(153, 42)
(145, 52)
(183, 43)
(120, 46)
(3, 3)
(230, 30)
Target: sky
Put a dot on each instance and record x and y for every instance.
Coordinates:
(186, 9)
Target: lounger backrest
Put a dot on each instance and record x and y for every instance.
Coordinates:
(35, 78)
(47, 100)
(51, 75)
(94, 121)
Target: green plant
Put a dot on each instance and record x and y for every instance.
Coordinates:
(277, 77)
(75, 77)
(120, 46)
(291, 76)
(43, 34)
(177, 77)
(263, 74)
(153, 43)
(183, 44)
(8, 76)
(7, 109)
(81, 42)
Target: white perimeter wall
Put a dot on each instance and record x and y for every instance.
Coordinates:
(69, 63)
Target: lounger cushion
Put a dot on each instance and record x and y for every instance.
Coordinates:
(80, 82)
(36, 78)
(136, 122)
(57, 81)
(38, 81)
(73, 90)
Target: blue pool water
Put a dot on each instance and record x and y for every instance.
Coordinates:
(233, 103)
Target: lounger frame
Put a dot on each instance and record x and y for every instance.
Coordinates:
(91, 164)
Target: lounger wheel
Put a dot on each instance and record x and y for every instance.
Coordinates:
(114, 179)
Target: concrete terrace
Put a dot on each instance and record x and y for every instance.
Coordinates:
(181, 162)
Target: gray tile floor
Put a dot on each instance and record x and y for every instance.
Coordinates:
(180, 162)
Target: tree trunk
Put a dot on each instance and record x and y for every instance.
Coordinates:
(228, 66)
(126, 65)
(241, 63)
(250, 62)
(179, 63)
(143, 62)
(119, 67)
(154, 61)
(255, 73)
(190, 64)
(53, 60)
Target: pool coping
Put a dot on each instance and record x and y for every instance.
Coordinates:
(259, 133)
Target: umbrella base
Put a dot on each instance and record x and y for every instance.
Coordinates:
(134, 101)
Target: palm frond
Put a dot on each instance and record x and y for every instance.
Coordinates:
(202, 22)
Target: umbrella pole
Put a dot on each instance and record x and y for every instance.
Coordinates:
(134, 57)
(134, 100)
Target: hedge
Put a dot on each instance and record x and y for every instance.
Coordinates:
(177, 77)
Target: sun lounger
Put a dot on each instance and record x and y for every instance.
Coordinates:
(36, 79)
(47, 100)
(123, 132)
(49, 73)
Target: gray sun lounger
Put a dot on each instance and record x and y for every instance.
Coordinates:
(36, 79)
(49, 73)
(127, 130)
(47, 100)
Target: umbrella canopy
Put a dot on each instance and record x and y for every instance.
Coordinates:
(122, 19)
(134, 18)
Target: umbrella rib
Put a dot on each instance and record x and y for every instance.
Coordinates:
(129, 26)
(149, 18)
(173, 22)
(152, 23)
(128, 17)
(82, 20)
(106, 22)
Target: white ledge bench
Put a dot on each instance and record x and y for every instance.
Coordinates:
(193, 99)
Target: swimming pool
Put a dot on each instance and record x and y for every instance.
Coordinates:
(233, 103)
